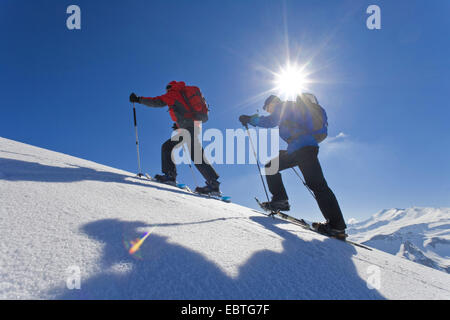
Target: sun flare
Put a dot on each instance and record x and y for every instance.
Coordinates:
(290, 81)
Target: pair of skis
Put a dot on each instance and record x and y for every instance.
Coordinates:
(183, 186)
(302, 223)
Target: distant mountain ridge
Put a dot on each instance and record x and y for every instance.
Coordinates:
(418, 234)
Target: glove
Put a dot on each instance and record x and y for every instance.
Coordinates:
(134, 98)
(245, 120)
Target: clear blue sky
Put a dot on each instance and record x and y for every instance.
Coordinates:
(386, 90)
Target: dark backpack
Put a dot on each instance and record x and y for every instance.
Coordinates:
(315, 114)
(198, 108)
(314, 119)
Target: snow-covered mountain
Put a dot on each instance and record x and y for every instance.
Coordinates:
(421, 235)
(66, 225)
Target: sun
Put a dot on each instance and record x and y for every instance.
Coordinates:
(290, 81)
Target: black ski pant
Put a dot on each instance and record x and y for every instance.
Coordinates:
(306, 159)
(168, 166)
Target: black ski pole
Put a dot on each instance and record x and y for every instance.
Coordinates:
(257, 162)
(140, 174)
(304, 183)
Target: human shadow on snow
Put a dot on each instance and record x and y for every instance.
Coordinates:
(302, 270)
(19, 170)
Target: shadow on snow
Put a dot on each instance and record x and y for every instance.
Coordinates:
(303, 270)
(19, 170)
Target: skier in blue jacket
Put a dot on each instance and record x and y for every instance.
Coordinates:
(302, 124)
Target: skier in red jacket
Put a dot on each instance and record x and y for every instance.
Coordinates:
(186, 106)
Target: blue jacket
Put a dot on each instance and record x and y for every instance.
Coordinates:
(296, 127)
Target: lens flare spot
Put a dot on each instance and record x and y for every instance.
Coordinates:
(133, 246)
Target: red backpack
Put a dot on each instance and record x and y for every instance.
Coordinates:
(196, 102)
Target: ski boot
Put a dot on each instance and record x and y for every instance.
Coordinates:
(327, 230)
(276, 205)
(211, 188)
(166, 178)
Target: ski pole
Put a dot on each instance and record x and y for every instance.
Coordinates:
(140, 174)
(257, 162)
(304, 183)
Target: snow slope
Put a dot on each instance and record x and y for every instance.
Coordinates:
(58, 212)
(417, 234)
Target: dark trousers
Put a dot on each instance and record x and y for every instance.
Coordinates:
(306, 159)
(168, 167)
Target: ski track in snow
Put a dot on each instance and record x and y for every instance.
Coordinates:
(58, 211)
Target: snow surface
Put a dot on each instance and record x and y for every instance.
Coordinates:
(418, 234)
(58, 212)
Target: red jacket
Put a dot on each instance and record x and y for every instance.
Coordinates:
(179, 111)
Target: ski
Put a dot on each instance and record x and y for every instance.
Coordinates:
(142, 176)
(305, 225)
(216, 196)
(170, 183)
(184, 187)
